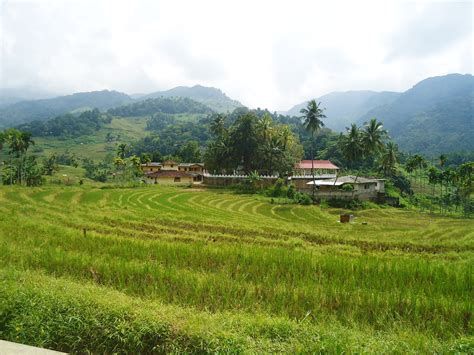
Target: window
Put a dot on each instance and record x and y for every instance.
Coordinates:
(177, 179)
(366, 186)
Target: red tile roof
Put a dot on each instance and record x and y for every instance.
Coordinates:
(318, 164)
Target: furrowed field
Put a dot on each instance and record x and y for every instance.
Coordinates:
(167, 269)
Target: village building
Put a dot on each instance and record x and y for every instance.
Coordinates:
(322, 168)
(348, 187)
(171, 172)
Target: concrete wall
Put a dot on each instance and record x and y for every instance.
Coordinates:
(185, 180)
(228, 180)
(343, 195)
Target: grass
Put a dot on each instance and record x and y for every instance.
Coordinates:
(193, 270)
(95, 146)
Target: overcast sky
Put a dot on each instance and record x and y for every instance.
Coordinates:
(270, 54)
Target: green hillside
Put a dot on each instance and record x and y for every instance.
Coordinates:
(96, 145)
(435, 116)
(209, 96)
(167, 269)
(344, 108)
(26, 111)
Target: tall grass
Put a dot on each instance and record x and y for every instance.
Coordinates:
(217, 252)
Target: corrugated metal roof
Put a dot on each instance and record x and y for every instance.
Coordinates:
(349, 179)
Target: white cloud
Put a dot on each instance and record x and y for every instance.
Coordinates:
(268, 53)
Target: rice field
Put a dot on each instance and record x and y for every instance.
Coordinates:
(169, 269)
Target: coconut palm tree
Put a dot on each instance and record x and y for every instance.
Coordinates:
(373, 137)
(217, 125)
(388, 159)
(122, 150)
(312, 117)
(442, 160)
(264, 126)
(351, 145)
(19, 143)
(434, 177)
(2, 142)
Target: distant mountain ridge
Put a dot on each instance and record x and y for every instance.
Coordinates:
(13, 113)
(209, 96)
(343, 108)
(40, 110)
(434, 116)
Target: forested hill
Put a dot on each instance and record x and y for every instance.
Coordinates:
(209, 96)
(169, 105)
(343, 108)
(39, 110)
(435, 116)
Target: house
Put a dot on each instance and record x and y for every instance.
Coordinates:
(322, 168)
(171, 172)
(348, 187)
(169, 177)
(150, 167)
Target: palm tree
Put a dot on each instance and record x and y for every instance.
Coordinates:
(388, 160)
(19, 142)
(217, 125)
(122, 150)
(442, 160)
(264, 126)
(351, 146)
(2, 142)
(373, 136)
(433, 177)
(312, 121)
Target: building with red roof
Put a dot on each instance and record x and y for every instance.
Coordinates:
(321, 167)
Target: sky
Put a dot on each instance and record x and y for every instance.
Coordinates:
(268, 54)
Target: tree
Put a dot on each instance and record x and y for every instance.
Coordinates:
(122, 150)
(388, 159)
(18, 143)
(2, 142)
(373, 136)
(442, 160)
(244, 142)
(190, 152)
(217, 125)
(312, 122)
(434, 175)
(51, 165)
(351, 145)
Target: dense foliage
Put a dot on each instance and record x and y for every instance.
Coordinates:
(68, 125)
(211, 97)
(433, 117)
(252, 143)
(41, 110)
(170, 105)
(19, 168)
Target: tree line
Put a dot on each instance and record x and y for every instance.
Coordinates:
(68, 125)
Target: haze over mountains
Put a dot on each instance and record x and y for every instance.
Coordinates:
(434, 116)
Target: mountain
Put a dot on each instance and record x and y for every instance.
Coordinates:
(12, 95)
(434, 116)
(343, 108)
(26, 111)
(166, 105)
(209, 96)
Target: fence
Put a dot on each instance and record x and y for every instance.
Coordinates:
(228, 180)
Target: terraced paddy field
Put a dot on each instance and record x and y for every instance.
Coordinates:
(168, 269)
